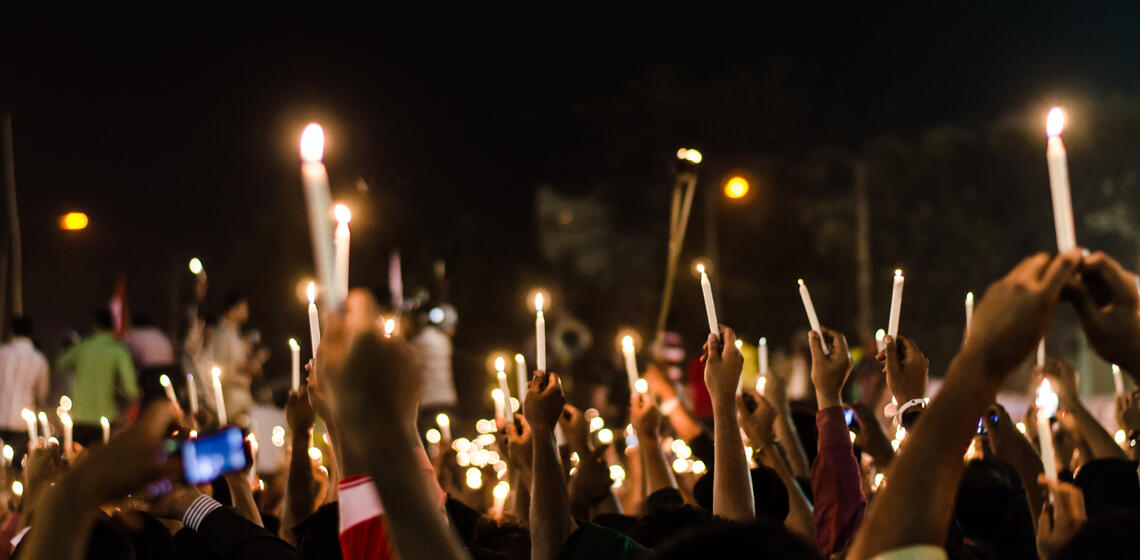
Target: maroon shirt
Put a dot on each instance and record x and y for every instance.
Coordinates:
(836, 484)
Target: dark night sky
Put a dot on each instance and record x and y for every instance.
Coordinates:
(177, 132)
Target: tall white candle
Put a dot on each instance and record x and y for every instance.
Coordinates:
(45, 427)
(295, 352)
(341, 242)
(314, 318)
(65, 420)
(1041, 353)
(500, 493)
(396, 281)
(630, 354)
(497, 398)
(501, 375)
(710, 305)
(106, 428)
(813, 319)
(521, 377)
(762, 356)
(33, 432)
(444, 424)
(169, 389)
(219, 399)
(896, 304)
(880, 340)
(539, 333)
(192, 390)
(1046, 408)
(1117, 379)
(1057, 160)
(316, 182)
(969, 311)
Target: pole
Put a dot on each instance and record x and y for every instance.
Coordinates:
(13, 220)
(863, 321)
(683, 195)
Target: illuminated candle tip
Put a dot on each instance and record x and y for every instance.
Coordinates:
(538, 301)
(164, 380)
(627, 342)
(1055, 122)
(293, 344)
(342, 214)
(519, 358)
(313, 143)
(311, 292)
(500, 364)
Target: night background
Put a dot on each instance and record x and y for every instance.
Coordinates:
(526, 149)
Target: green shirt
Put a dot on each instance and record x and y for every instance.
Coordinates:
(100, 364)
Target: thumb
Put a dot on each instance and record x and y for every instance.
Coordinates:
(714, 348)
(892, 350)
(816, 345)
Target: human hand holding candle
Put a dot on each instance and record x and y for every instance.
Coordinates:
(295, 354)
(813, 319)
(710, 305)
(219, 399)
(316, 182)
(341, 244)
(1058, 164)
(539, 333)
(1105, 296)
(896, 304)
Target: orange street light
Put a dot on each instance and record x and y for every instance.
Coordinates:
(736, 187)
(73, 221)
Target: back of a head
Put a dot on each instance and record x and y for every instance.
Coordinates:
(662, 524)
(722, 539)
(22, 326)
(1112, 535)
(768, 493)
(102, 319)
(1109, 485)
(983, 499)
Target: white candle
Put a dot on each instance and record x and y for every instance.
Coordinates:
(316, 182)
(630, 354)
(219, 400)
(45, 428)
(969, 311)
(1117, 379)
(444, 424)
(295, 352)
(65, 420)
(192, 389)
(106, 428)
(497, 398)
(1041, 353)
(501, 374)
(341, 243)
(33, 432)
(1057, 161)
(396, 281)
(500, 492)
(762, 358)
(813, 319)
(896, 304)
(739, 378)
(880, 340)
(314, 318)
(1046, 408)
(710, 305)
(539, 333)
(169, 389)
(521, 377)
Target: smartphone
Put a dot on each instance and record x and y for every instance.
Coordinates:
(982, 425)
(849, 416)
(208, 457)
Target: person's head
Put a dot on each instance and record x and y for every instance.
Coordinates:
(1112, 535)
(722, 539)
(508, 536)
(21, 326)
(991, 507)
(102, 320)
(142, 319)
(768, 492)
(236, 308)
(662, 523)
(1109, 485)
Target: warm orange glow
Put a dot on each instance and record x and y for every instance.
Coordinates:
(736, 187)
(1055, 122)
(73, 221)
(311, 292)
(342, 214)
(313, 143)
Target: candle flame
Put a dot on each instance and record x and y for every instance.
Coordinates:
(538, 302)
(315, 454)
(164, 380)
(880, 335)
(9, 453)
(690, 155)
(1046, 399)
(800, 281)
(293, 345)
(42, 416)
(1115, 369)
(641, 385)
(701, 268)
(627, 343)
(520, 359)
(442, 420)
(502, 489)
(217, 373)
(342, 214)
(497, 395)
(763, 341)
(898, 273)
(500, 364)
(1055, 122)
(104, 422)
(313, 143)
(65, 402)
(65, 419)
(969, 297)
(195, 266)
(389, 327)
(739, 344)
(28, 415)
(311, 292)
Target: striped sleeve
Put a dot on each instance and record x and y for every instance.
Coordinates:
(198, 510)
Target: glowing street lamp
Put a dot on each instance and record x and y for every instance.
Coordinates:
(73, 221)
(690, 155)
(736, 187)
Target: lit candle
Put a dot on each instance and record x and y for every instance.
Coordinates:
(106, 428)
(45, 428)
(501, 374)
(1041, 353)
(762, 356)
(314, 318)
(880, 340)
(396, 281)
(500, 492)
(1058, 164)
(710, 306)
(65, 420)
(1117, 379)
(444, 424)
(389, 327)
(219, 400)
(896, 304)
(630, 363)
(169, 389)
(192, 389)
(739, 378)
(539, 333)
(33, 432)
(498, 398)
(341, 243)
(521, 377)
(1046, 408)
(969, 311)
(813, 319)
(316, 182)
(295, 351)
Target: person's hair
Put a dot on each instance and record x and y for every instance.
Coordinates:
(991, 508)
(142, 319)
(102, 319)
(661, 524)
(724, 539)
(507, 536)
(1109, 485)
(768, 492)
(21, 326)
(232, 300)
(1112, 535)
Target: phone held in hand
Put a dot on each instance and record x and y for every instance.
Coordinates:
(982, 425)
(208, 457)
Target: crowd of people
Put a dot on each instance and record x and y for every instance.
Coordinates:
(895, 473)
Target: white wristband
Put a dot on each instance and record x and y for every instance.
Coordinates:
(913, 402)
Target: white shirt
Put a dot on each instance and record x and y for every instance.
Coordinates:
(23, 381)
(150, 347)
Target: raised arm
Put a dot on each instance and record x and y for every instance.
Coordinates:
(1074, 414)
(757, 417)
(1012, 447)
(1106, 298)
(923, 479)
(300, 499)
(732, 485)
(776, 391)
(647, 423)
(549, 504)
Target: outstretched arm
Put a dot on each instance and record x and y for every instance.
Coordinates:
(549, 505)
(732, 485)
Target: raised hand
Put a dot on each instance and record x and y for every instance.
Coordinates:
(520, 452)
(299, 414)
(130, 459)
(1059, 522)
(906, 367)
(829, 371)
(1128, 411)
(1016, 311)
(1106, 298)
(757, 417)
(592, 482)
(722, 367)
(645, 416)
(544, 402)
(1064, 380)
(576, 428)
